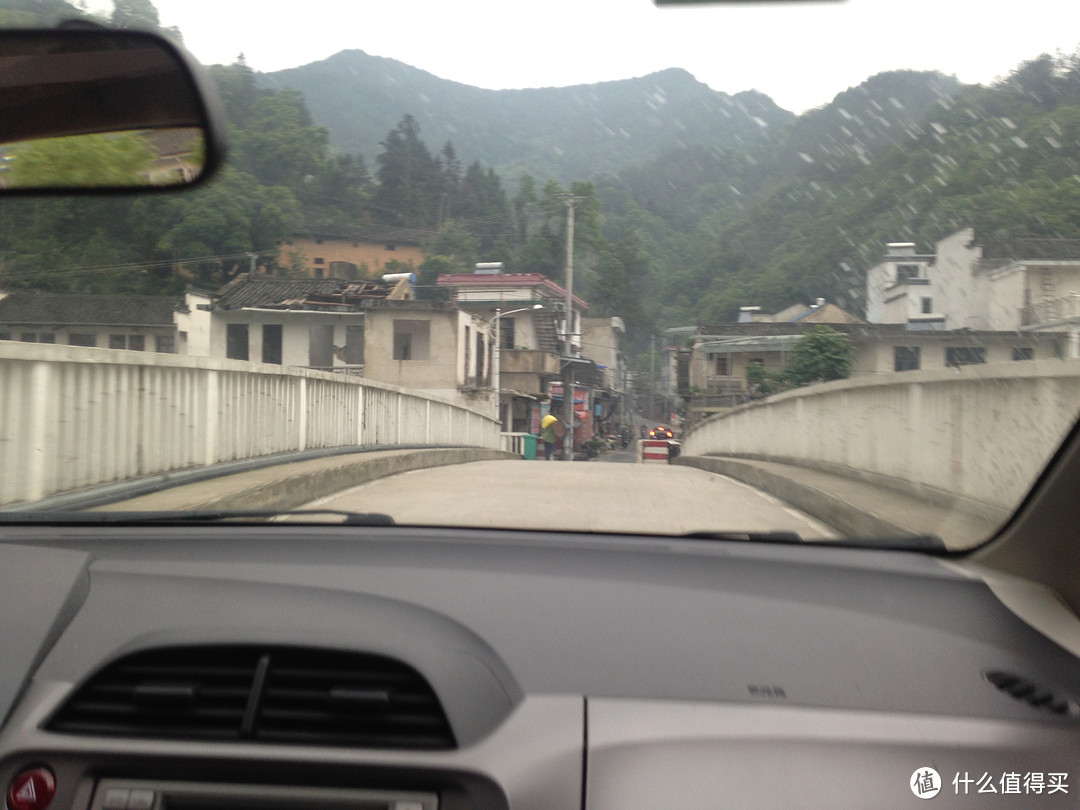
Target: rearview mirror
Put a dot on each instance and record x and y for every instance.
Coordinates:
(96, 108)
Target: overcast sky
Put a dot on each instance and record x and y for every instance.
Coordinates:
(801, 55)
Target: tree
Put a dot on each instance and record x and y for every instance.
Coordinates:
(820, 355)
(279, 144)
(410, 180)
(140, 14)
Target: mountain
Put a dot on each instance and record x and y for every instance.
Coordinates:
(560, 133)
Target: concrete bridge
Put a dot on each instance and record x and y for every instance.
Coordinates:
(74, 418)
(970, 440)
(80, 420)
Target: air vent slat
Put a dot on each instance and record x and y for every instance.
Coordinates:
(308, 697)
(1034, 695)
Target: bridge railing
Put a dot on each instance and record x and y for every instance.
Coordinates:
(73, 417)
(979, 432)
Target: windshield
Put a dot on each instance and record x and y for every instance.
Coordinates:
(789, 270)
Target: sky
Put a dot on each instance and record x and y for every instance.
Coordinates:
(800, 54)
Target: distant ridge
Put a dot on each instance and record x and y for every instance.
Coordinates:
(558, 132)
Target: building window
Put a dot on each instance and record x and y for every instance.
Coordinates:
(318, 272)
(117, 341)
(5, 335)
(906, 358)
(137, 343)
(236, 341)
(165, 344)
(964, 356)
(47, 337)
(391, 247)
(723, 368)
(28, 337)
(321, 346)
(927, 306)
(354, 345)
(1023, 353)
(906, 272)
(468, 356)
(271, 343)
(506, 333)
(412, 339)
(319, 260)
(480, 354)
(82, 339)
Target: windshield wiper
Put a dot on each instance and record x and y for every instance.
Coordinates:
(917, 542)
(202, 516)
(752, 537)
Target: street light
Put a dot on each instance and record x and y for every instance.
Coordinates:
(498, 347)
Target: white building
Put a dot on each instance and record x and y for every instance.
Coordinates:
(994, 284)
(900, 289)
(370, 329)
(533, 350)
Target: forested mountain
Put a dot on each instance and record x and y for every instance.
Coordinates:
(562, 133)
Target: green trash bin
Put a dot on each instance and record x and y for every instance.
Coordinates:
(529, 446)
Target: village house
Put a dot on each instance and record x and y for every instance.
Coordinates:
(1029, 283)
(353, 253)
(318, 323)
(372, 329)
(712, 363)
(534, 354)
(132, 322)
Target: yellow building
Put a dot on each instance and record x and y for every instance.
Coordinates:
(353, 253)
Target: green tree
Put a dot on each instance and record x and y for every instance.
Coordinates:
(820, 355)
(410, 180)
(279, 145)
(224, 220)
(141, 14)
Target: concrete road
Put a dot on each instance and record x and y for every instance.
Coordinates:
(654, 498)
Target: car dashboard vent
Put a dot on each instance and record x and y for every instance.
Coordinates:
(294, 695)
(1034, 695)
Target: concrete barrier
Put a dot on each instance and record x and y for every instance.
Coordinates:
(653, 451)
(78, 417)
(979, 433)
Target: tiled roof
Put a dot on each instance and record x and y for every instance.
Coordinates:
(298, 293)
(854, 330)
(58, 309)
(379, 234)
(1030, 247)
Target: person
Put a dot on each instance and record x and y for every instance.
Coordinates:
(549, 433)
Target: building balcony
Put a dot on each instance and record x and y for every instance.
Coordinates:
(528, 361)
(1051, 309)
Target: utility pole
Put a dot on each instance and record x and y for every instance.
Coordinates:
(568, 378)
(652, 378)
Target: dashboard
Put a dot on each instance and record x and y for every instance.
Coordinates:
(146, 668)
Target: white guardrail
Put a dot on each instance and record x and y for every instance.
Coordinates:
(982, 432)
(73, 417)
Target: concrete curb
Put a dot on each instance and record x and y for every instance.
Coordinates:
(847, 518)
(289, 486)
